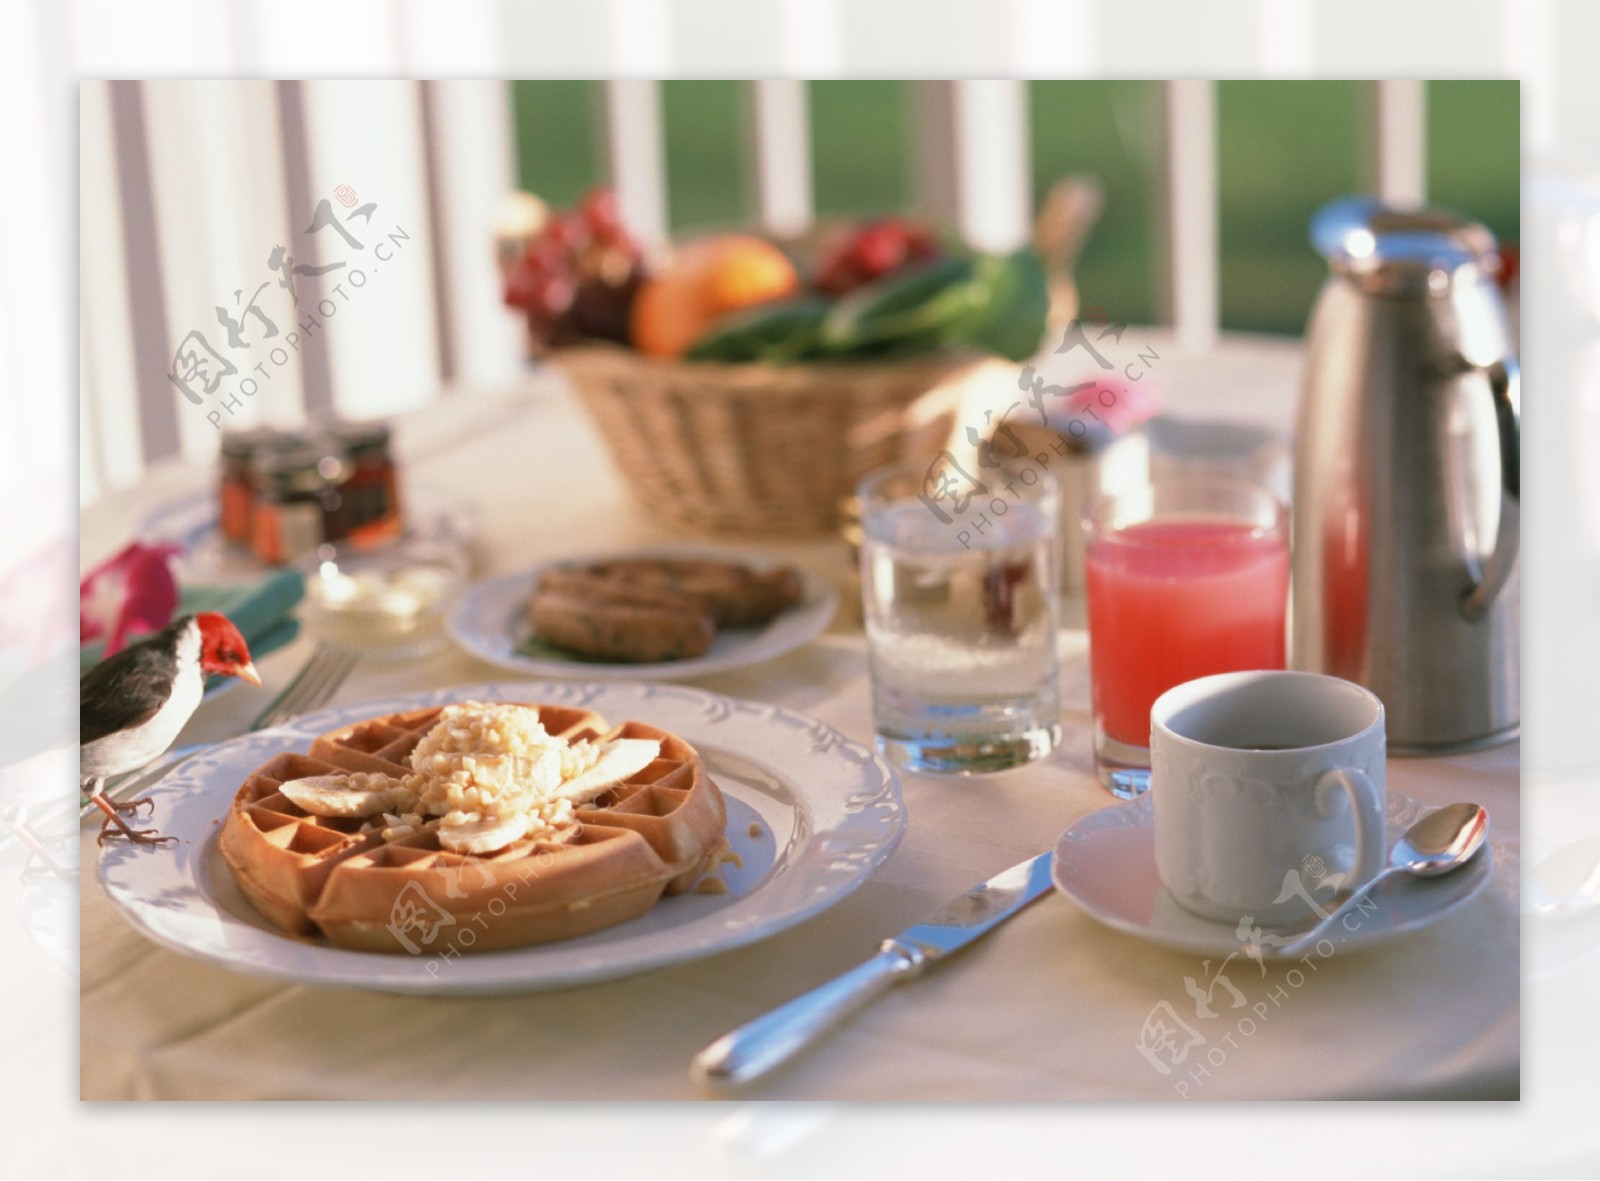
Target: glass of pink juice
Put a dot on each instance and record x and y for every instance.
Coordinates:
(1186, 577)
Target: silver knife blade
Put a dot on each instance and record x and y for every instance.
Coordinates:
(757, 1046)
(981, 909)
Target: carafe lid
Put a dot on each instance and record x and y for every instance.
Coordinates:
(1395, 251)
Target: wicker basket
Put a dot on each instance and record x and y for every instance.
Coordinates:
(758, 448)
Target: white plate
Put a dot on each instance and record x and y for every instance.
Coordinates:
(1106, 863)
(492, 620)
(810, 814)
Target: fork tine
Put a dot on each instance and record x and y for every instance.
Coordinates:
(312, 686)
(319, 673)
(290, 691)
(333, 675)
(318, 686)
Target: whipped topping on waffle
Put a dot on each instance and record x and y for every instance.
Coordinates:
(484, 776)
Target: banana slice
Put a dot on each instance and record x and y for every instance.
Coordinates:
(337, 796)
(618, 759)
(482, 836)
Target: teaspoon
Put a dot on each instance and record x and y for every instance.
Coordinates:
(1443, 840)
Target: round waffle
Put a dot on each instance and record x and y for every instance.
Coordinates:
(656, 832)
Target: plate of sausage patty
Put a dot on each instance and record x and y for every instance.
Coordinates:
(641, 616)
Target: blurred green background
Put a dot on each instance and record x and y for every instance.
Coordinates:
(1283, 149)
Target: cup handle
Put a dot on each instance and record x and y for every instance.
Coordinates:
(1366, 805)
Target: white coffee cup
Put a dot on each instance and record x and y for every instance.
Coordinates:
(1242, 831)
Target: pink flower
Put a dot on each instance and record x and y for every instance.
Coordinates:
(129, 594)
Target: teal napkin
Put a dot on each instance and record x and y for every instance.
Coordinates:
(260, 610)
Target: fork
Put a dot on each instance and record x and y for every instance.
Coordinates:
(318, 679)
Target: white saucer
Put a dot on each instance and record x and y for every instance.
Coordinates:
(1106, 863)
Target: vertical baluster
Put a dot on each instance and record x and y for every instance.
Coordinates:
(217, 229)
(1187, 208)
(155, 400)
(973, 159)
(638, 169)
(470, 171)
(780, 155)
(375, 315)
(383, 356)
(315, 367)
(1397, 158)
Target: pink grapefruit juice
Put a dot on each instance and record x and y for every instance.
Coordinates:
(1176, 599)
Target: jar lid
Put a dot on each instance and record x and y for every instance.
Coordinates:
(309, 466)
(361, 436)
(1395, 251)
(247, 444)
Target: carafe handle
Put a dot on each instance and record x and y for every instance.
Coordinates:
(1505, 385)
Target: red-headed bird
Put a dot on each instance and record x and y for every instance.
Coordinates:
(132, 705)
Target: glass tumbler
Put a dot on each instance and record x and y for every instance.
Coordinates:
(1187, 576)
(961, 617)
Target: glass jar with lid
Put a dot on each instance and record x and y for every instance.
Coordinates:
(371, 490)
(299, 503)
(236, 491)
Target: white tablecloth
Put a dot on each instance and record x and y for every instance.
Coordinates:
(1049, 1006)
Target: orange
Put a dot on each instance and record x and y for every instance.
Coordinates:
(706, 279)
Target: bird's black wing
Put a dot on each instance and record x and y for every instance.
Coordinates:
(127, 689)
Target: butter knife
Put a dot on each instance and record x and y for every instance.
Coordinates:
(757, 1046)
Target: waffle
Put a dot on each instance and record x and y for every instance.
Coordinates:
(654, 833)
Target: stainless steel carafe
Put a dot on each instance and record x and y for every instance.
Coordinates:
(1406, 482)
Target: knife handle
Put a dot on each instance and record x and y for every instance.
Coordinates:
(757, 1046)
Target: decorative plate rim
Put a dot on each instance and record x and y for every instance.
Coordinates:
(845, 801)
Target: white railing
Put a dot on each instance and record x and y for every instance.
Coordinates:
(187, 188)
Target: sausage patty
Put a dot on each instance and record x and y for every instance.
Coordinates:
(624, 627)
(737, 595)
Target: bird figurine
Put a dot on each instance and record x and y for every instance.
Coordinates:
(131, 706)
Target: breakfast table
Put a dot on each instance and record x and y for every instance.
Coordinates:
(1051, 1005)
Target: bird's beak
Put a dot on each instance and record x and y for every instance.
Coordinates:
(247, 672)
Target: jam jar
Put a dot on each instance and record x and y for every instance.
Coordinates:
(299, 503)
(371, 489)
(236, 492)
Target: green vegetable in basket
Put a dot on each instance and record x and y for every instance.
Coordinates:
(777, 333)
(995, 304)
(910, 308)
(991, 303)
(1010, 319)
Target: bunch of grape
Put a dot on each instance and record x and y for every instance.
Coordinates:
(577, 277)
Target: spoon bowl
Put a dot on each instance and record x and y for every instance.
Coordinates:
(1442, 841)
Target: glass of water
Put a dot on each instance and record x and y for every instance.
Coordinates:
(961, 612)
